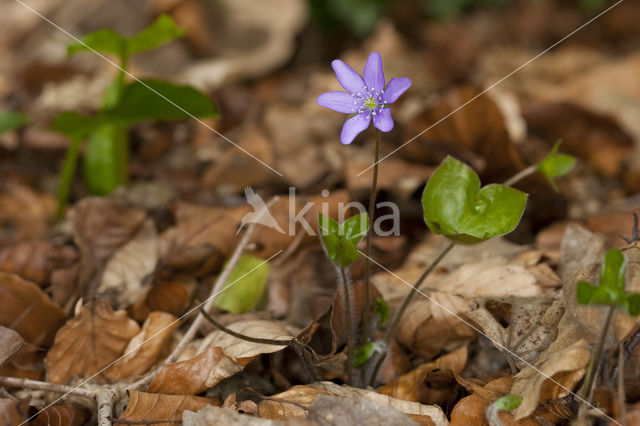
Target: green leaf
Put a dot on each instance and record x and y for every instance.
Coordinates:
(10, 120)
(161, 31)
(585, 292)
(340, 241)
(613, 271)
(455, 206)
(102, 41)
(107, 40)
(508, 402)
(75, 125)
(159, 100)
(363, 352)
(632, 304)
(105, 159)
(556, 165)
(381, 308)
(245, 286)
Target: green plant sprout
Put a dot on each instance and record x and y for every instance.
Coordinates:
(506, 403)
(243, 291)
(610, 292)
(340, 242)
(456, 206)
(124, 103)
(11, 120)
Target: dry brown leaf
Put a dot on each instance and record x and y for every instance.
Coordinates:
(27, 363)
(13, 412)
(61, 415)
(211, 415)
(329, 411)
(407, 386)
(25, 308)
(90, 341)
(239, 349)
(290, 403)
(10, 343)
(123, 278)
(195, 375)
(28, 213)
(32, 260)
(566, 366)
(151, 407)
(156, 333)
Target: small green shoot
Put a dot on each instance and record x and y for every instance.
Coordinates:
(611, 289)
(455, 206)
(245, 286)
(10, 120)
(382, 309)
(364, 352)
(508, 402)
(556, 165)
(341, 240)
(124, 103)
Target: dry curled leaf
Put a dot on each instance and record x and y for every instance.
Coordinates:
(296, 402)
(25, 308)
(12, 411)
(238, 348)
(161, 410)
(10, 343)
(32, 260)
(147, 347)
(61, 415)
(123, 278)
(90, 341)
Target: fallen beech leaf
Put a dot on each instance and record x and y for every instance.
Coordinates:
(156, 332)
(28, 213)
(13, 412)
(408, 386)
(61, 415)
(123, 279)
(239, 349)
(211, 415)
(290, 403)
(161, 410)
(10, 343)
(169, 296)
(27, 363)
(356, 293)
(327, 410)
(32, 260)
(88, 342)
(566, 366)
(195, 375)
(25, 308)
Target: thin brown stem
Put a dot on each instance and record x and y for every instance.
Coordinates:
(241, 336)
(621, 394)
(46, 386)
(348, 321)
(405, 303)
(587, 387)
(366, 316)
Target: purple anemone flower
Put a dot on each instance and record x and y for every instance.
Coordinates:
(364, 99)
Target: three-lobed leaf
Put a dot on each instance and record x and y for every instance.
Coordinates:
(10, 120)
(611, 288)
(341, 240)
(454, 205)
(161, 31)
(245, 286)
(556, 165)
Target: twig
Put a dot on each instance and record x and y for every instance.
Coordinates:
(105, 399)
(215, 291)
(46, 386)
(241, 336)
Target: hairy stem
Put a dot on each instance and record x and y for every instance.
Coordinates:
(405, 303)
(587, 387)
(521, 175)
(348, 321)
(366, 316)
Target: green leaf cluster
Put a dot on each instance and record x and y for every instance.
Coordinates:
(454, 205)
(245, 286)
(611, 289)
(341, 240)
(556, 165)
(10, 120)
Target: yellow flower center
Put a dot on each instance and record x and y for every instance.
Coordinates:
(369, 102)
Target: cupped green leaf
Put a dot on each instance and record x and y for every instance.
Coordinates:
(382, 309)
(161, 31)
(363, 352)
(102, 41)
(245, 286)
(584, 292)
(632, 304)
(159, 100)
(613, 270)
(455, 206)
(341, 250)
(556, 165)
(10, 120)
(355, 228)
(105, 159)
(508, 402)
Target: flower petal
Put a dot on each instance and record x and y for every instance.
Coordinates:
(354, 126)
(395, 88)
(338, 101)
(373, 74)
(383, 120)
(347, 77)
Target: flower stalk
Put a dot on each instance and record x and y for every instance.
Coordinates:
(349, 323)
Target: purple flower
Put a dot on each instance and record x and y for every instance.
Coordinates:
(364, 99)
